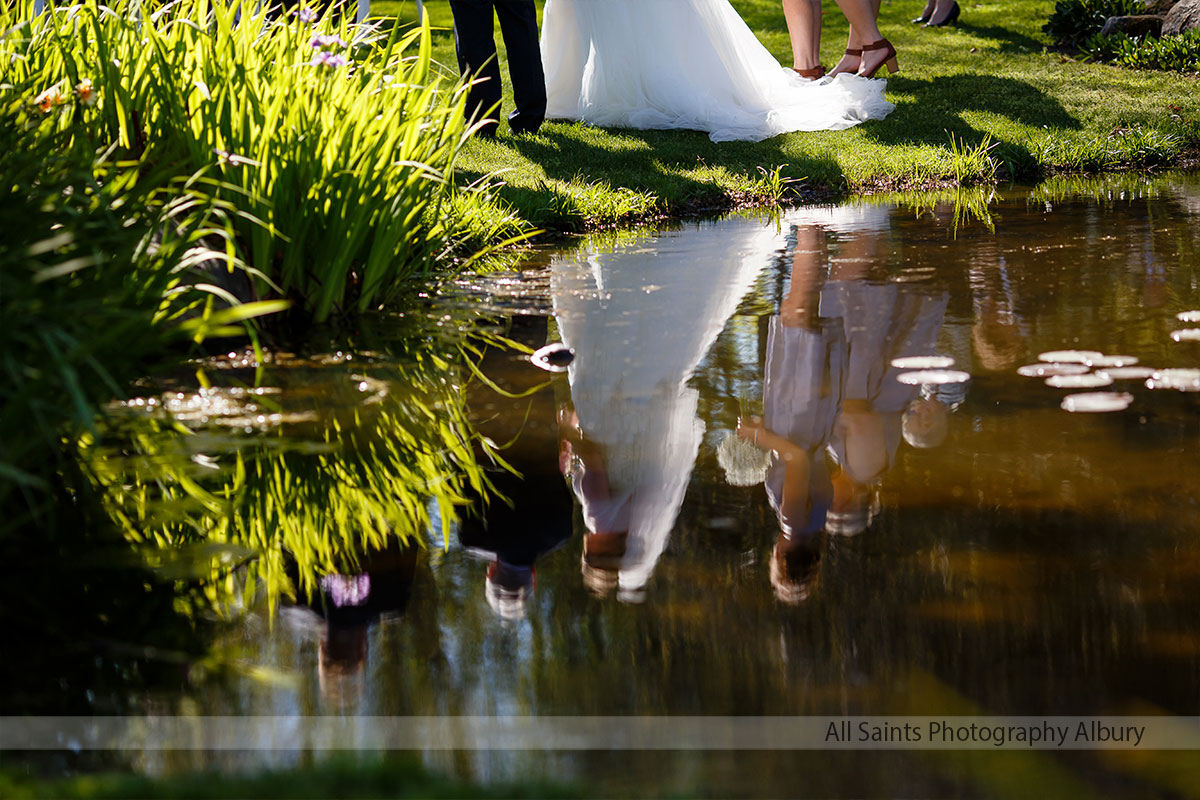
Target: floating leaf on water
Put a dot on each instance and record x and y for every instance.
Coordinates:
(1128, 373)
(1186, 335)
(1184, 380)
(1103, 362)
(1089, 381)
(1070, 356)
(1097, 402)
(553, 357)
(933, 377)
(923, 362)
(1046, 370)
(1188, 316)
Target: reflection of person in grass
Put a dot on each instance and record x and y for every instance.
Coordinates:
(801, 396)
(640, 320)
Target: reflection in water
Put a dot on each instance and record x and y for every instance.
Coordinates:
(831, 397)
(639, 326)
(348, 604)
(528, 515)
(1016, 558)
(280, 513)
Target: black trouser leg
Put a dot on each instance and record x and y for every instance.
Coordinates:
(474, 41)
(518, 24)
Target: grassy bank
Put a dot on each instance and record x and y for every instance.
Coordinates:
(1010, 105)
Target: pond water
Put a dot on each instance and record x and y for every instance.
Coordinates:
(964, 541)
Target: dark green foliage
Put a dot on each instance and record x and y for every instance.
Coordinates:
(1169, 53)
(91, 257)
(1073, 21)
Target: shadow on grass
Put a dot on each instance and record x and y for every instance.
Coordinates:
(938, 105)
(1011, 41)
(681, 168)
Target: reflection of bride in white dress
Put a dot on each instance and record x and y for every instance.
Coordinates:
(640, 319)
(686, 64)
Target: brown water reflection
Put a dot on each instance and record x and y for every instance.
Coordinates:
(907, 549)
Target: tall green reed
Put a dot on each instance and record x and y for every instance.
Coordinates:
(336, 145)
(97, 276)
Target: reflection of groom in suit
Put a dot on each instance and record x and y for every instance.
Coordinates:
(476, 45)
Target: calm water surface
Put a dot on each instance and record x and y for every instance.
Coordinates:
(900, 549)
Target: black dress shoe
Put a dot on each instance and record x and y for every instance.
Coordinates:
(919, 20)
(950, 19)
(524, 123)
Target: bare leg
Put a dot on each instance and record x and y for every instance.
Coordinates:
(927, 12)
(850, 62)
(862, 16)
(804, 27)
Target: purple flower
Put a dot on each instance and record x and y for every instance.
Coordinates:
(306, 15)
(347, 590)
(322, 42)
(332, 60)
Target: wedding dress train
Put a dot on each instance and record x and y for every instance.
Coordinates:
(686, 64)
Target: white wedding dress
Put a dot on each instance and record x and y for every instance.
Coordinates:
(686, 64)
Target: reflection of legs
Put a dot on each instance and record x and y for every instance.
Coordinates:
(518, 23)
(474, 41)
(799, 307)
(856, 254)
(804, 27)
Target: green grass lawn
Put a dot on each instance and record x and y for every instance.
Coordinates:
(991, 78)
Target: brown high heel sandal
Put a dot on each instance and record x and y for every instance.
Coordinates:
(850, 51)
(814, 74)
(889, 58)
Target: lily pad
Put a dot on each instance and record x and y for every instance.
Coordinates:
(1070, 356)
(924, 377)
(1092, 380)
(923, 362)
(1046, 370)
(1127, 373)
(1183, 380)
(1103, 362)
(1097, 402)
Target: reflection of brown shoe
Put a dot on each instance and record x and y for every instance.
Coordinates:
(889, 58)
(816, 73)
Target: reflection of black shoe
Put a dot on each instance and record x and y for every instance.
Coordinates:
(950, 19)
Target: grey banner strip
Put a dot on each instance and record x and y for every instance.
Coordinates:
(598, 733)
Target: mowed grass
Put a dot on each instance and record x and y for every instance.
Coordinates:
(991, 83)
